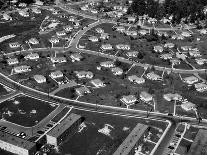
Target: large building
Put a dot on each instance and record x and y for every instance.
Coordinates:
(128, 145)
(64, 129)
(16, 145)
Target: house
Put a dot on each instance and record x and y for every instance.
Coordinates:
(68, 28)
(56, 74)
(175, 61)
(131, 19)
(82, 90)
(7, 17)
(39, 78)
(76, 24)
(107, 64)
(22, 5)
(36, 10)
(136, 79)
(203, 31)
(97, 83)
(84, 74)
(117, 71)
(94, 11)
(153, 76)
(71, 18)
(33, 41)
(60, 33)
(93, 38)
(169, 45)
(104, 36)
(178, 37)
(76, 57)
(186, 48)
(180, 55)
(162, 33)
(201, 87)
(14, 45)
(200, 61)
(190, 80)
(193, 53)
(186, 34)
(158, 49)
(99, 30)
(24, 13)
(187, 106)
(146, 97)
(120, 28)
(128, 100)
(132, 53)
(166, 56)
(123, 47)
(58, 59)
(117, 7)
(54, 40)
(131, 33)
(12, 61)
(38, 2)
(106, 47)
(22, 69)
(143, 32)
(84, 8)
(172, 97)
(32, 56)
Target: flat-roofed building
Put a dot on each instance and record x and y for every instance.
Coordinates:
(39, 78)
(64, 129)
(169, 45)
(145, 96)
(136, 79)
(24, 13)
(131, 19)
(54, 40)
(201, 61)
(190, 80)
(195, 54)
(12, 61)
(68, 28)
(120, 28)
(128, 145)
(22, 69)
(16, 145)
(201, 87)
(56, 74)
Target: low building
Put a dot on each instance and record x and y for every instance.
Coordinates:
(187, 106)
(93, 38)
(82, 91)
(106, 47)
(33, 41)
(180, 55)
(195, 54)
(12, 61)
(128, 100)
(186, 48)
(104, 36)
(94, 11)
(123, 47)
(7, 17)
(54, 40)
(120, 28)
(107, 64)
(143, 32)
(14, 45)
(201, 87)
(22, 69)
(60, 33)
(39, 78)
(72, 18)
(64, 129)
(128, 145)
(146, 97)
(131, 19)
(169, 45)
(16, 145)
(76, 57)
(97, 83)
(117, 71)
(162, 33)
(36, 10)
(200, 61)
(99, 30)
(153, 76)
(203, 31)
(172, 97)
(135, 79)
(24, 13)
(68, 28)
(84, 74)
(186, 34)
(56, 74)
(158, 49)
(32, 56)
(166, 56)
(131, 33)
(190, 80)
(132, 54)
(58, 59)
(175, 61)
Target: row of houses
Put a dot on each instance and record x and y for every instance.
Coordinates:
(32, 41)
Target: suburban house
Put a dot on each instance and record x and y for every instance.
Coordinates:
(132, 53)
(106, 47)
(54, 40)
(143, 32)
(201, 87)
(158, 49)
(60, 33)
(200, 61)
(39, 78)
(131, 33)
(6, 17)
(203, 31)
(24, 13)
(146, 97)
(33, 41)
(169, 45)
(181, 56)
(68, 28)
(190, 80)
(36, 10)
(97, 83)
(162, 33)
(193, 53)
(99, 30)
(84, 74)
(175, 61)
(107, 64)
(172, 97)
(58, 59)
(32, 56)
(131, 19)
(153, 76)
(120, 28)
(22, 69)
(12, 61)
(94, 11)
(136, 79)
(123, 47)
(93, 38)
(117, 71)
(104, 36)
(166, 56)
(56, 74)
(128, 100)
(187, 106)
(14, 45)
(82, 91)
(186, 48)
(76, 57)
(186, 34)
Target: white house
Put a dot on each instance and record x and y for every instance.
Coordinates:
(24, 13)
(7, 17)
(195, 54)
(166, 56)
(107, 64)
(104, 36)
(131, 19)
(82, 90)
(146, 97)
(39, 78)
(123, 47)
(136, 79)
(186, 48)
(76, 57)
(143, 32)
(22, 69)
(200, 61)
(106, 47)
(131, 33)
(203, 31)
(158, 49)
(32, 56)
(97, 83)
(68, 28)
(84, 74)
(188, 106)
(201, 87)
(33, 41)
(99, 30)
(54, 40)
(190, 80)
(175, 61)
(169, 45)
(117, 71)
(58, 59)
(12, 61)
(132, 53)
(128, 100)
(93, 38)
(120, 28)
(153, 76)
(60, 33)
(36, 10)
(172, 97)
(14, 45)
(56, 74)
(186, 34)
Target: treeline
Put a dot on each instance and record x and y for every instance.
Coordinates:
(186, 10)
